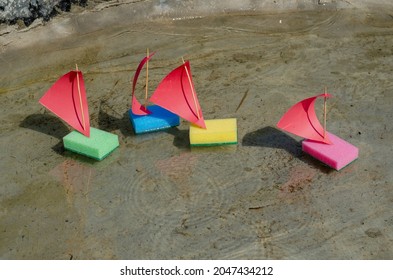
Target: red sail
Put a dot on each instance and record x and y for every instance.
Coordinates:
(136, 106)
(301, 120)
(176, 94)
(69, 103)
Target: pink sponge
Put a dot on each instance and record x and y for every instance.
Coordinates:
(337, 155)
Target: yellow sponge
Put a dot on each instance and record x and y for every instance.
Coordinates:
(217, 132)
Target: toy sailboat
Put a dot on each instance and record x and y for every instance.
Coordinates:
(67, 99)
(176, 93)
(302, 120)
(149, 118)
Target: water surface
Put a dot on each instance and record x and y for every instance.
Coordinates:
(154, 197)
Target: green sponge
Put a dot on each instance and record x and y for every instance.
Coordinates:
(99, 145)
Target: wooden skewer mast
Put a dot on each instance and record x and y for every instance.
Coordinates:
(192, 89)
(80, 97)
(324, 114)
(147, 76)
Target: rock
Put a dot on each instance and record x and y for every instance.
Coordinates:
(28, 10)
(12, 10)
(373, 232)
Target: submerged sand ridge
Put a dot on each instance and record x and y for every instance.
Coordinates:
(157, 198)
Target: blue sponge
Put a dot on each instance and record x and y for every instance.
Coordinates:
(159, 119)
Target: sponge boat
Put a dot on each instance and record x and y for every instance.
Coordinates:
(328, 148)
(150, 118)
(176, 93)
(66, 98)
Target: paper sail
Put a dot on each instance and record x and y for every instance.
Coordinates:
(67, 99)
(301, 120)
(176, 94)
(136, 107)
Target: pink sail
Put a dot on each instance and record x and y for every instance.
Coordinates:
(67, 99)
(136, 107)
(176, 94)
(301, 120)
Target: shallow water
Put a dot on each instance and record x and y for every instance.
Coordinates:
(154, 197)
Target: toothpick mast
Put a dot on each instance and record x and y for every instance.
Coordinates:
(192, 89)
(80, 97)
(324, 114)
(147, 77)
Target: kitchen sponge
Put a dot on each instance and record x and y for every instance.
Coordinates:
(337, 155)
(217, 132)
(99, 145)
(159, 119)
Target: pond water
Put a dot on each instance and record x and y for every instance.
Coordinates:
(157, 198)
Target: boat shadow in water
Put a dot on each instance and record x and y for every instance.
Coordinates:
(47, 124)
(181, 138)
(274, 138)
(108, 122)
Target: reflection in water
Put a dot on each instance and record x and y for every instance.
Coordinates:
(76, 180)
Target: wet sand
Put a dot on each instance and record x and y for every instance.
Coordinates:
(155, 197)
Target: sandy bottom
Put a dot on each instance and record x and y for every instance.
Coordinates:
(155, 197)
